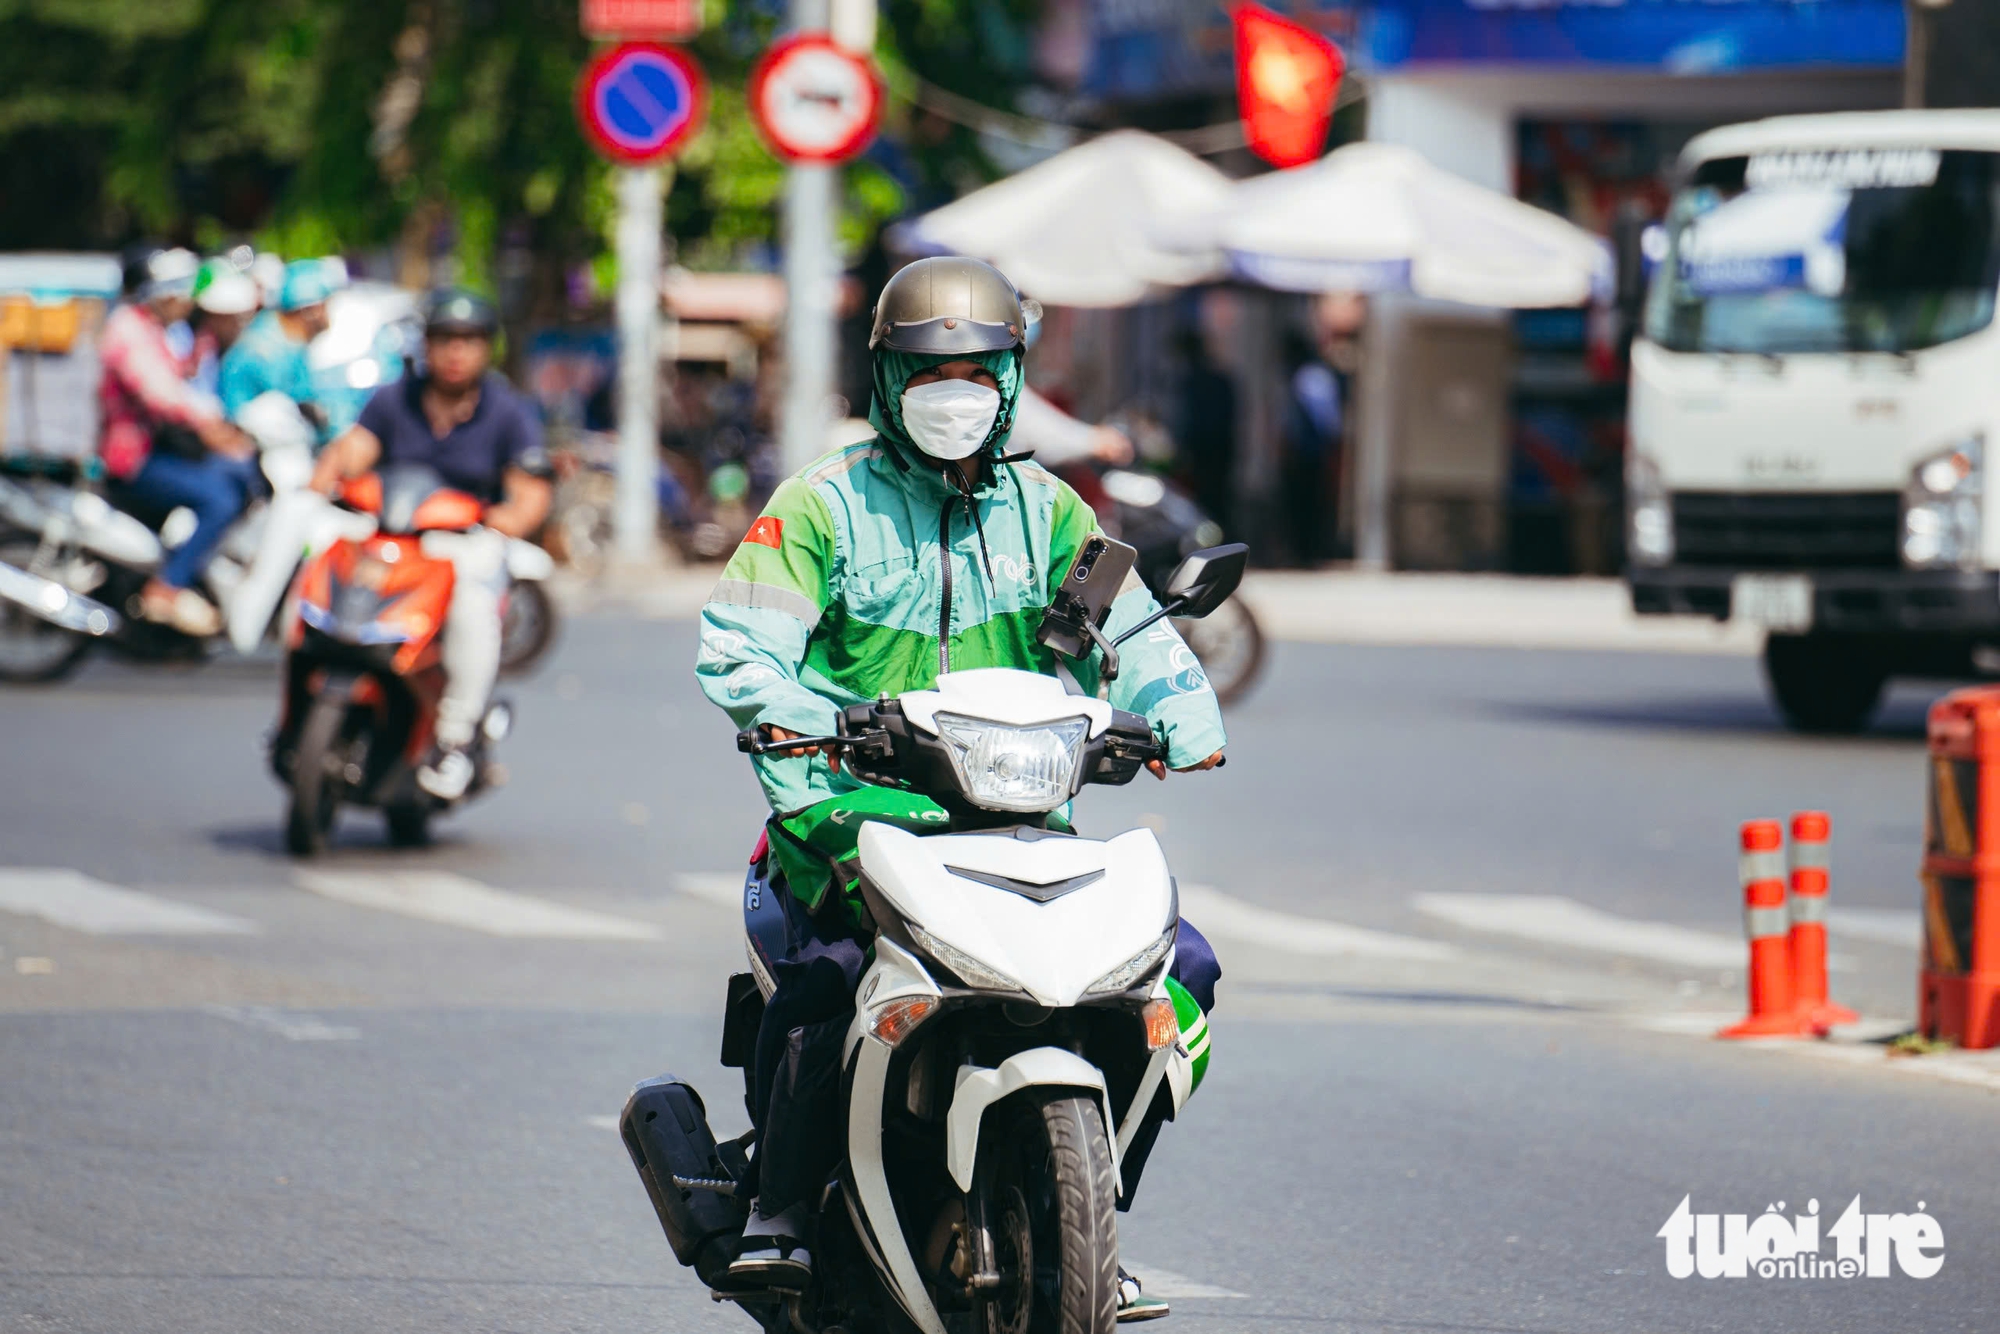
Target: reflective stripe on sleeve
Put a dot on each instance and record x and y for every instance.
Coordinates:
(768, 597)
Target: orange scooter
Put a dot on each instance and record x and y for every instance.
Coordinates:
(363, 671)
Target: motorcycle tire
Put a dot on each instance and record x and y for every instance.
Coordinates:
(1051, 1201)
(528, 627)
(1230, 646)
(316, 781)
(409, 826)
(32, 651)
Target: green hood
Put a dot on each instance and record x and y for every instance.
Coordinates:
(893, 370)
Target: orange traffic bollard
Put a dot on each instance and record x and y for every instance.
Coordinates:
(1766, 923)
(1812, 861)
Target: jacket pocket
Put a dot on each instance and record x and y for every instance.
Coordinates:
(886, 594)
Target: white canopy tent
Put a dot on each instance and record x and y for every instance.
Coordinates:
(1376, 217)
(1079, 228)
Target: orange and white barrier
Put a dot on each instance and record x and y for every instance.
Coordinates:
(1811, 866)
(1773, 1008)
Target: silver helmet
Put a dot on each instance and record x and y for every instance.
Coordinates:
(948, 305)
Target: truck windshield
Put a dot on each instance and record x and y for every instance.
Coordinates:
(1868, 250)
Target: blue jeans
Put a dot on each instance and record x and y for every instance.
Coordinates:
(216, 488)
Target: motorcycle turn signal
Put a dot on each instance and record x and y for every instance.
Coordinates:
(1163, 1026)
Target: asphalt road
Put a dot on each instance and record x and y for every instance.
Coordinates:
(342, 1117)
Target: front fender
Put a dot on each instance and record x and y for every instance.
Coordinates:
(527, 561)
(979, 1088)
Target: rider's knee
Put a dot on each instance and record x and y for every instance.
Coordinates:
(1195, 966)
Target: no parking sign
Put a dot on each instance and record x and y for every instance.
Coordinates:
(638, 101)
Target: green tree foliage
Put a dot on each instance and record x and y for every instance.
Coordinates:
(429, 127)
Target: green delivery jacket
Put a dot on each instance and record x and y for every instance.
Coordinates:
(869, 574)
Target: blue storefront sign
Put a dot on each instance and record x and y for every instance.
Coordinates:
(1674, 36)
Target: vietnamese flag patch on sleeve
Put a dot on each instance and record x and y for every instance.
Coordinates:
(767, 531)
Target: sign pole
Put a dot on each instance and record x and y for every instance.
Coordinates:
(809, 282)
(636, 517)
(810, 279)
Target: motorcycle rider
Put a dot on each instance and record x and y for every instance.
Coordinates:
(164, 443)
(925, 549)
(225, 301)
(271, 354)
(461, 418)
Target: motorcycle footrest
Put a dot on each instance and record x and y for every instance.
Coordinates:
(666, 1132)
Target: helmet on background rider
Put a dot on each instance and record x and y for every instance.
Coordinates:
(938, 310)
(155, 273)
(221, 288)
(303, 295)
(458, 312)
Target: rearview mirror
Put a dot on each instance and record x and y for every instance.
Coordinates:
(1204, 581)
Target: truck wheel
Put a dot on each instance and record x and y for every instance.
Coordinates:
(1050, 1201)
(1822, 685)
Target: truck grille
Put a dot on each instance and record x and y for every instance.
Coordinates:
(1775, 530)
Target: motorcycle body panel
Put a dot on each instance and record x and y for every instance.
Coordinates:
(1108, 900)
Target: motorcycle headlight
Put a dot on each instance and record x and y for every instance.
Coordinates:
(1004, 768)
(1127, 974)
(1944, 507)
(1649, 513)
(974, 972)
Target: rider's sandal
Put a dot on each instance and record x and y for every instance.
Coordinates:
(770, 1256)
(1134, 1305)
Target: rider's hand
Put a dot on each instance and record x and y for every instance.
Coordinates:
(1159, 767)
(222, 438)
(780, 734)
(1110, 445)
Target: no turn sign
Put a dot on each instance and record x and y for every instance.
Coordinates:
(639, 100)
(814, 101)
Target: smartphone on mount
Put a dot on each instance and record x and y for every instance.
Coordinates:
(1086, 594)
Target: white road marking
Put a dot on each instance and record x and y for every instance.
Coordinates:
(1889, 926)
(74, 900)
(454, 900)
(1156, 1282)
(601, 1122)
(724, 888)
(1550, 920)
(287, 1024)
(1217, 914)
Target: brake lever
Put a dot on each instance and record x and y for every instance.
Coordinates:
(750, 743)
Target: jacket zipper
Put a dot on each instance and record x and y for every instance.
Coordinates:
(944, 609)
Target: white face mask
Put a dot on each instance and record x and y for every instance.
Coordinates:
(950, 419)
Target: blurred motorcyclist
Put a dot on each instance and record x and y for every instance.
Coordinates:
(271, 354)
(880, 566)
(225, 301)
(461, 418)
(1057, 439)
(163, 442)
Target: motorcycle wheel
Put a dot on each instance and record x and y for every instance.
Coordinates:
(317, 783)
(32, 650)
(1230, 645)
(1051, 1207)
(409, 826)
(528, 628)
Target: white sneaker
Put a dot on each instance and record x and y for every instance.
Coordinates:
(448, 776)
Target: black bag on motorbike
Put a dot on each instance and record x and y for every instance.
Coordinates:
(665, 1128)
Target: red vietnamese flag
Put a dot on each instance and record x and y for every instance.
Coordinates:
(1286, 77)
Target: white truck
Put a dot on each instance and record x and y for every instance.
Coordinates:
(1816, 380)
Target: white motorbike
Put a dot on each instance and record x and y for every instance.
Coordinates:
(72, 564)
(1011, 1035)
